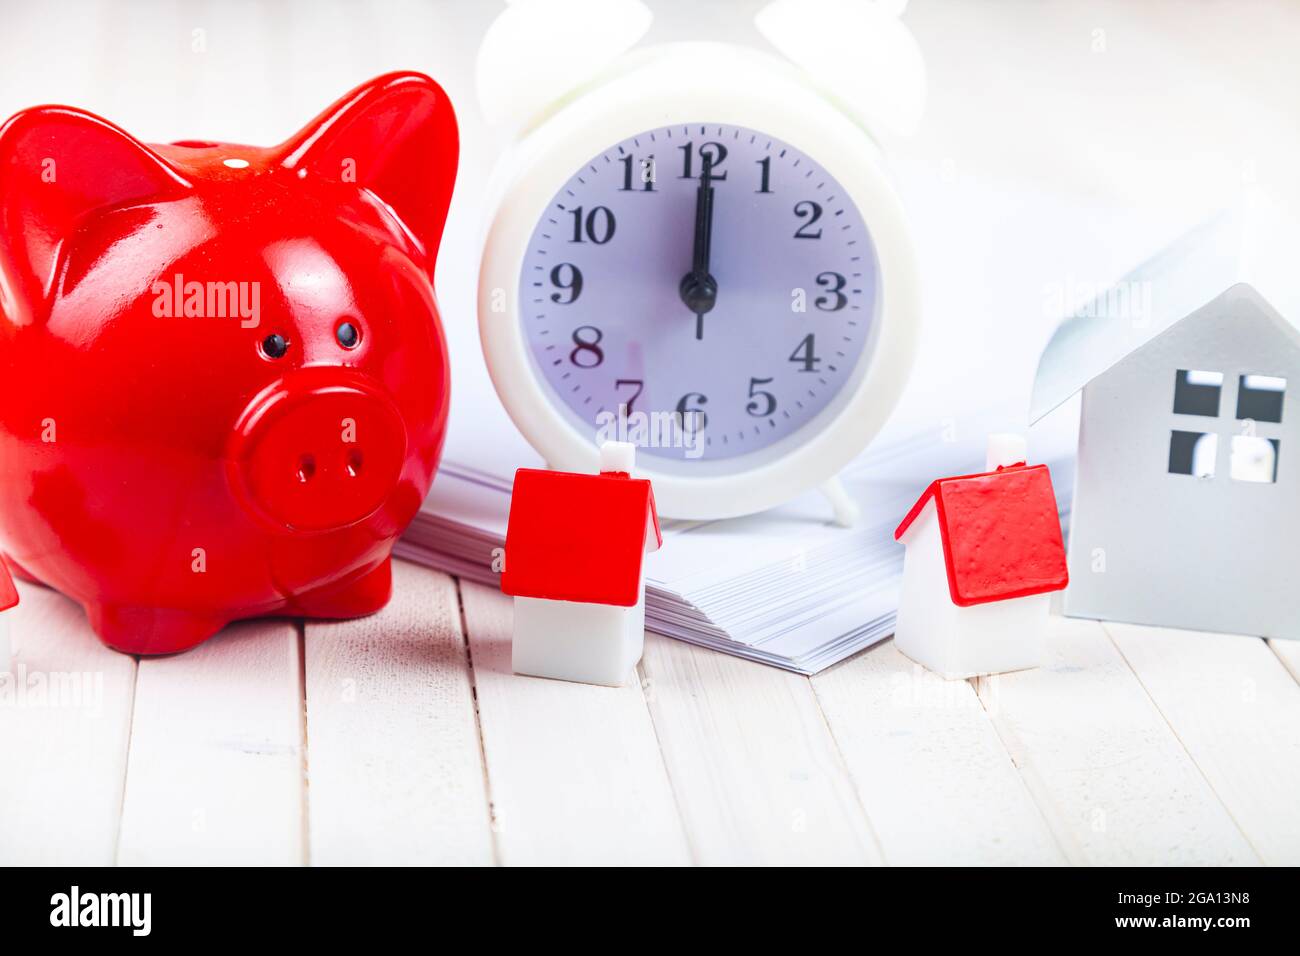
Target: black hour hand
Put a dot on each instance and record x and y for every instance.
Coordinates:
(698, 289)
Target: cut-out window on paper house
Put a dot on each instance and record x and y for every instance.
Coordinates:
(1253, 458)
(1259, 398)
(1193, 453)
(1197, 392)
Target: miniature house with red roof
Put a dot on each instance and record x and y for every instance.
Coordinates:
(984, 553)
(575, 550)
(8, 599)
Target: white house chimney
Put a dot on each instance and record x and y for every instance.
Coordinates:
(1005, 448)
(617, 456)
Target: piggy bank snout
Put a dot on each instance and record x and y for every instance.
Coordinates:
(317, 452)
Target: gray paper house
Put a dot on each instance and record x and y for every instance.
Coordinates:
(1187, 494)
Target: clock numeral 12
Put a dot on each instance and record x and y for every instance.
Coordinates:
(598, 226)
(719, 155)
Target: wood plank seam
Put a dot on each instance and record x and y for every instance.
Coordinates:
(215, 765)
(1174, 730)
(493, 827)
(301, 626)
(1064, 843)
(394, 752)
(1039, 792)
(642, 681)
(931, 772)
(756, 775)
(126, 757)
(577, 774)
(848, 774)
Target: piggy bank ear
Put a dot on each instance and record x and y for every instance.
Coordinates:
(395, 136)
(58, 166)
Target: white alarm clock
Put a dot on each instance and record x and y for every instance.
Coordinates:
(695, 249)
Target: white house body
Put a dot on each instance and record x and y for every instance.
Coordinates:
(954, 641)
(1187, 491)
(568, 640)
(1189, 515)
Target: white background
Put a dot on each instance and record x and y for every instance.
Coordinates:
(1062, 142)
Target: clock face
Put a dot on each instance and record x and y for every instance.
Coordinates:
(703, 290)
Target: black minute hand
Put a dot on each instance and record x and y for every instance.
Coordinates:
(699, 290)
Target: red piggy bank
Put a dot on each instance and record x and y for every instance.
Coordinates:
(223, 381)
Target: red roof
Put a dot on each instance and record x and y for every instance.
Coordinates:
(1001, 534)
(8, 593)
(579, 537)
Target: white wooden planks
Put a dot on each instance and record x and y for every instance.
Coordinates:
(577, 773)
(757, 775)
(575, 770)
(1112, 779)
(394, 765)
(1237, 711)
(215, 773)
(935, 780)
(65, 718)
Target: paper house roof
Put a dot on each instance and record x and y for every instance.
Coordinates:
(579, 538)
(8, 593)
(1245, 255)
(1001, 534)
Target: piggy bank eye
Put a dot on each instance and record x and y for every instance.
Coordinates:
(348, 335)
(274, 346)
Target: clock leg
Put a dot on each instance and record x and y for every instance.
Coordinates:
(846, 509)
